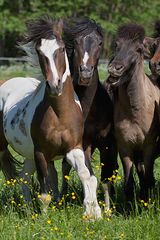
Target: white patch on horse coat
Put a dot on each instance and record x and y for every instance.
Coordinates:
(76, 99)
(16, 95)
(67, 71)
(85, 58)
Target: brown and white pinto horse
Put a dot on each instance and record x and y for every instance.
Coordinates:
(84, 40)
(44, 121)
(135, 108)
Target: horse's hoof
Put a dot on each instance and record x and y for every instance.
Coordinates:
(92, 216)
(44, 200)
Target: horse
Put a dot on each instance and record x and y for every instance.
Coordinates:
(136, 99)
(84, 40)
(45, 123)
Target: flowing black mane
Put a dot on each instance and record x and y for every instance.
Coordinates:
(157, 29)
(131, 32)
(79, 27)
(83, 26)
(39, 28)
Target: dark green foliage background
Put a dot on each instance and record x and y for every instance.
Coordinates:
(110, 14)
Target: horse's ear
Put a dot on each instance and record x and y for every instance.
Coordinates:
(147, 46)
(58, 28)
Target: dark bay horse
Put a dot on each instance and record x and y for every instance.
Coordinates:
(84, 40)
(44, 120)
(136, 99)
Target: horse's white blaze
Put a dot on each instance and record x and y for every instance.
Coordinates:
(85, 58)
(22, 99)
(76, 158)
(48, 48)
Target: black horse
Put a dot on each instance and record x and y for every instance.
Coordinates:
(84, 40)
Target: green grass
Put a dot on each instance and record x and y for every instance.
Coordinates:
(18, 221)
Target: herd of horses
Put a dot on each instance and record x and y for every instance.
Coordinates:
(66, 112)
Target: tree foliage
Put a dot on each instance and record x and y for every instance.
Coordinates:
(110, 14)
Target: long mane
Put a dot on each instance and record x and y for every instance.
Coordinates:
(36, 30)
(79, 27)
(157, 29)
(131, 31)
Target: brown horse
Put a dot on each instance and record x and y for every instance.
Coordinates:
(84, 40)
(44, 121)
(135, 108)
(152, 45)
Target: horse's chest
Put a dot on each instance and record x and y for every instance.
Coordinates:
(128, 132)
(57, 141)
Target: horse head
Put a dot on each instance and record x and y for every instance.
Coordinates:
(87, 41)
(50, 48)
(128, 51)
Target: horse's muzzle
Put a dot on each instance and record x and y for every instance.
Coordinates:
(115, 70)
(54, 90)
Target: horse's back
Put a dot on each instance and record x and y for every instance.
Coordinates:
(19, 104)
(15, 89)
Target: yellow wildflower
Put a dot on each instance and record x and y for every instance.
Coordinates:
(49, 221)
(67, 177)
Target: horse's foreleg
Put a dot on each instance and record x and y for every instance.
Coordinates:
(129, 180)
(88, 152)
(43, 177)
(53, 180)
(76, 158)
(66, 167)
(108, 157)
(141, 175)
(149, 181)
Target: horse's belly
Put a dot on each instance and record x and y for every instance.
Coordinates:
(19, 139)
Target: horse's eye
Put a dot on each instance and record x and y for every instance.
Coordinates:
(139, 49)
(115, 44)
(100, 44)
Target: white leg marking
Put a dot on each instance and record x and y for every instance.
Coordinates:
(76, 158)
(26, 174)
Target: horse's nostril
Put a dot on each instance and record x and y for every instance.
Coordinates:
(59, 82)
(81, 68)
(119, 67)
(92, 67)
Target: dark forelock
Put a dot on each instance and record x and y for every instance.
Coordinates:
(131, 32)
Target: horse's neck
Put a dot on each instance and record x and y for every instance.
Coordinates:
(60, 104)
(131, 95)
(86, 94)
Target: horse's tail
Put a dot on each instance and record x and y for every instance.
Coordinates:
(10, 166)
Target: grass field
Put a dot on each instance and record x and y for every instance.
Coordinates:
(20, 222)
